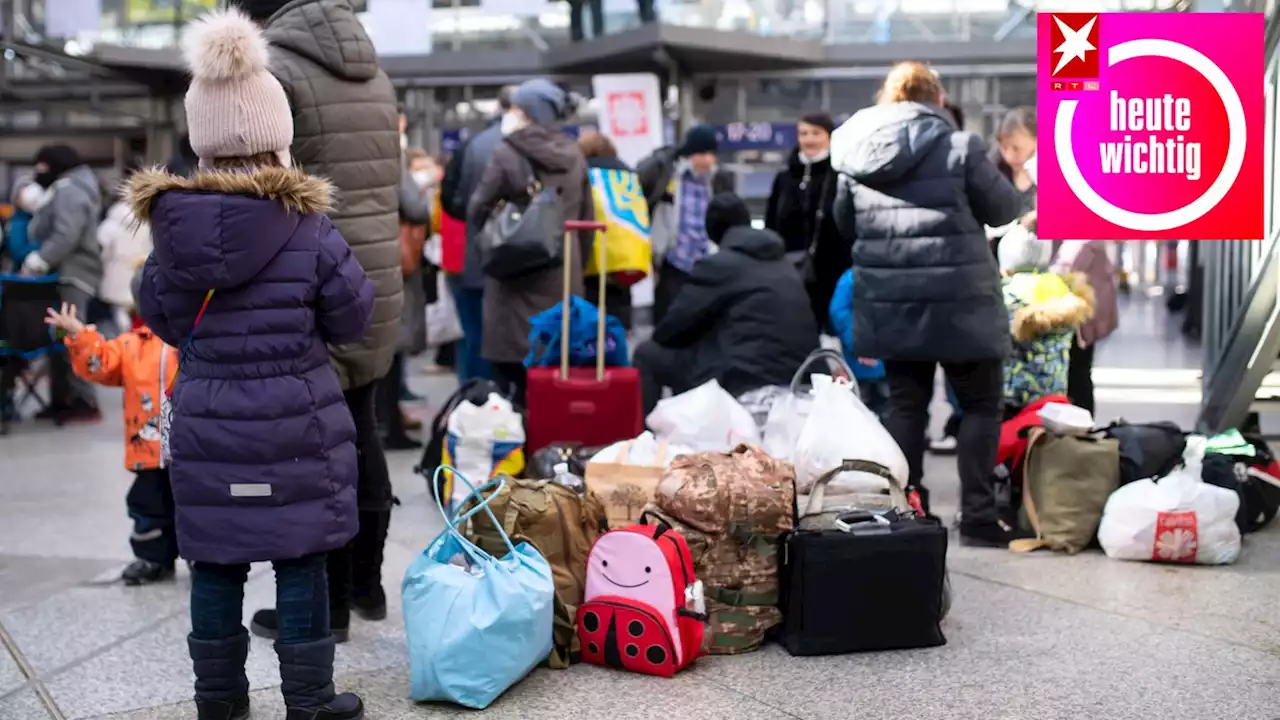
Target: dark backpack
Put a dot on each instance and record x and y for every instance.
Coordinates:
(1147, 450)
(475, 391)
(1259, 499)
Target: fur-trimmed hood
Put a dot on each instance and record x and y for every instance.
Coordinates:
(293, 188)
(218, 229)
(1049, 302)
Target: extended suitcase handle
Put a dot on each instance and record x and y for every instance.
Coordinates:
(570, 227)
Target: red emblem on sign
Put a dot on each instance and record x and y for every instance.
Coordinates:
(627, 117)
(1073, 46)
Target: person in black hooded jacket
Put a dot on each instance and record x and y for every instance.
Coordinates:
(914, 196)
(799, 210)
(742, 319)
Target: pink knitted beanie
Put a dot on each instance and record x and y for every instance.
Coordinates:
(235, 107)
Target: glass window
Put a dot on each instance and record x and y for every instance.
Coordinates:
(775, 100)
(1017, 90)
(716, 101)
(850, 96)
(1272, 147)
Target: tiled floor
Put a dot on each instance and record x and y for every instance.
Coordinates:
(1042, 636)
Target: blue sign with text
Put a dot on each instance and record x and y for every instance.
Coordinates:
(452, 139)
(739, 136)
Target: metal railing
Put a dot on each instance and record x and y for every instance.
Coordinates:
(1241, 285)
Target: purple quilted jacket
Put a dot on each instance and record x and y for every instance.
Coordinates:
(263, 445)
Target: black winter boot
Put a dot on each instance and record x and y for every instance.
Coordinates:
(306, 681)
(222, 690)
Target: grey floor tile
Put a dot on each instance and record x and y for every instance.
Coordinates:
(545, 695)
(82, 620)
(1052, 659)
(11, 678)
(28, 580)
(22, 705)
(1229, 603)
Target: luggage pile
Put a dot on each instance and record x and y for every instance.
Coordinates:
(1140, 491)
(646, 554)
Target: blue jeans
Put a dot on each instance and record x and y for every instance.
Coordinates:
(302, 599)
(467, 359)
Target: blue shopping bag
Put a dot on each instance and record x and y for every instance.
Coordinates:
(475, 632)
(546, 327)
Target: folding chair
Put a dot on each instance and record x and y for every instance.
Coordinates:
(25, 342)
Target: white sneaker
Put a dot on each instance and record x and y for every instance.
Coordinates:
(943, 445)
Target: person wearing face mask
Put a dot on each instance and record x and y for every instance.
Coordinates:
(533, 142)
(27, 198)
(799, 210)
(678, 184)
(65, 231)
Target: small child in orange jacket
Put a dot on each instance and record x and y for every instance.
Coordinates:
(145, 367)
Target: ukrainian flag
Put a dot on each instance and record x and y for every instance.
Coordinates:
(620, 204)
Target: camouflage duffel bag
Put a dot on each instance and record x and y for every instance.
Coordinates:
(745, 490)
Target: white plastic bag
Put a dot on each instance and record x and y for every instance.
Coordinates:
(483, 440)
(644, 449)
(443, 326)
(706, 418)
(839, 427)
(1178, 518)
(788, 413)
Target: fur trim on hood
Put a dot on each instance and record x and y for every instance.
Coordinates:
(1065, 313)
(296, 190)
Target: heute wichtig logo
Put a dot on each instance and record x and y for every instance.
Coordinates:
(1151, 126)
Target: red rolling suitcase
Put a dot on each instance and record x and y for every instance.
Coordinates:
(589, 406)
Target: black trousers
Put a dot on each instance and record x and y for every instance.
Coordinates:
(1080, 376)
(577, 32)
(387, 402)
(670, 280)
(150, 505)
(356, 568)
(979, 388)
(661, 367)
(513, 378)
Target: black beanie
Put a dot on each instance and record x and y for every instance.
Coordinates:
(260, 10)
(59, 158)
(699, 139)
(725, 211)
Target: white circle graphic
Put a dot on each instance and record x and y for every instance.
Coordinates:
(1196, 209)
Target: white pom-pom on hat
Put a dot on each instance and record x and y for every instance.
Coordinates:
(225, 45)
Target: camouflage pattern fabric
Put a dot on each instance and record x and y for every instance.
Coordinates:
(743, 491)
(562, 525)
(731, 508)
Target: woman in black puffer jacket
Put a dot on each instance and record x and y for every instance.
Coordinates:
(800, 211)
(916, 193)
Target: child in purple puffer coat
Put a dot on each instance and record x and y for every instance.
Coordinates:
(251, 281)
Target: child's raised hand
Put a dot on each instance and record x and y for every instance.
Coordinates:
(65, 320)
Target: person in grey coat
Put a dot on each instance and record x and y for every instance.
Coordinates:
(914, 194)
(533, 141)
(460, 181)
(65, 230)
(345, 120)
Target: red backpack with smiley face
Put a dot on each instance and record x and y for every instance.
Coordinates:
(643, 609)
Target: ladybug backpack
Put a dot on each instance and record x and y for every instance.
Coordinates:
(643, 609)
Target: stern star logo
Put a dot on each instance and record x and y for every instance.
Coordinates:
(1075, 44)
